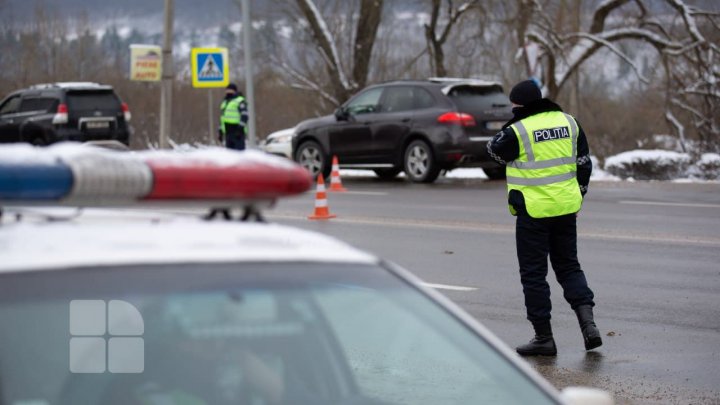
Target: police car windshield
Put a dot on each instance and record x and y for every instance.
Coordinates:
(250, 333)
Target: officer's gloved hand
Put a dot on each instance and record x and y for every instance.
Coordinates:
(221, 137)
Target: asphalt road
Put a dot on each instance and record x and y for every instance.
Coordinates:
(651, 253)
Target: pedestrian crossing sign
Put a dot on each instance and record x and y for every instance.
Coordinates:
(209, 67)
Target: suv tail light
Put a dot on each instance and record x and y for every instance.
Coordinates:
(61, 116)
(457, 118)
(126, 111)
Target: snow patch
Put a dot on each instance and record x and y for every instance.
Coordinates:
(707, 168)
(648, 164)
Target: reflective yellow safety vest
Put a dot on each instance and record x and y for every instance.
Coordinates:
(545, 172)
(230, 113)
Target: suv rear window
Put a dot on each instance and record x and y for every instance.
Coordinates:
(476, 98)
(92, 100)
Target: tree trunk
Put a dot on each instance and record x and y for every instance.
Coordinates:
(368, 23)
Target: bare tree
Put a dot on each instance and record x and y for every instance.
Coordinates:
(691, 59)
(693, 77)
(341, 83)
(436, 40)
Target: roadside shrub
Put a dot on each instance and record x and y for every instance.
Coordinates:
(708, 167)
(648, 164)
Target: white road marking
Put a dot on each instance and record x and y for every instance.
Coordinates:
(506, 229)
(448, 287)
(670, 204)
(364, 193)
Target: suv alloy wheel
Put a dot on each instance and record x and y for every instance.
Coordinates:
(311, 156)
(420, 166)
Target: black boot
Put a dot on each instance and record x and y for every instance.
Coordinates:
(542, 344)
(590, 332)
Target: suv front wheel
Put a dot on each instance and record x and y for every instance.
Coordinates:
(310, 156)
(419, 163)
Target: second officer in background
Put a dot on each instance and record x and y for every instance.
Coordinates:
(233, 119)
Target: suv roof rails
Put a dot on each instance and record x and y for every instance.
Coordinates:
(70, 85)
(468, 80)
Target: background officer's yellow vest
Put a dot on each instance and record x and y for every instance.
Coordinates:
(230, 113)
(545, 171)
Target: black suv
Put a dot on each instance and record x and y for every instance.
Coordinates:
(419, 127)
(48, 113)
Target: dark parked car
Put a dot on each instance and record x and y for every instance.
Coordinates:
(419, 127)
(48, 113)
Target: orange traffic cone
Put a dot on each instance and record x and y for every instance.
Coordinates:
(321, 205)
(335, 183)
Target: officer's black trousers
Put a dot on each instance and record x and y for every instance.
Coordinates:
(556, 236)
(234, 137)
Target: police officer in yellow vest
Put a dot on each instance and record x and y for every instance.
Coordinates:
(233, 119)
(548, 170)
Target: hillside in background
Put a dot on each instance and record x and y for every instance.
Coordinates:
(189, 12)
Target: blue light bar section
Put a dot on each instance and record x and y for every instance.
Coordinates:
(34, 182)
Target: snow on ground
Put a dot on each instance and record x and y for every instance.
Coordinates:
(453, 174)
(708, 160)
(472, 173)
(658, 156)
(598, 174)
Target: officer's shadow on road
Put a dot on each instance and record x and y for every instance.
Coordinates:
(592, 362)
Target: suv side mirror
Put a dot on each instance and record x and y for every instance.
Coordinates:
(341, 114)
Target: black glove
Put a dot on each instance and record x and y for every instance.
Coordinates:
(221, 136)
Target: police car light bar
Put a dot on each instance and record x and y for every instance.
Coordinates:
(87, 176)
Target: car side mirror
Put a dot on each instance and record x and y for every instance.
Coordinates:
(341, 114)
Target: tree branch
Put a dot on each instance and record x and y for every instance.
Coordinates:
(325, 41)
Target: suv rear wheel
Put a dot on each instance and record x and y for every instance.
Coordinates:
(310, 156)
(419, 163)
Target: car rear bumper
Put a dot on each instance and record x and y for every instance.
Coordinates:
(72, 134)
(476, 153)
(470, 151)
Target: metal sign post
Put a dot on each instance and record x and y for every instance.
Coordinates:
(211, 127)
(167, 77)
(247, 28)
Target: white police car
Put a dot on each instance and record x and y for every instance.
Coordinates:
(113, 308)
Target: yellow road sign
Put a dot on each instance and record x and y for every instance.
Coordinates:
(209, 67)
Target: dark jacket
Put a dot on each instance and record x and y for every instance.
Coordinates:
(504, 148)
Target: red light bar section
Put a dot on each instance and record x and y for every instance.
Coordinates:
(207, 181)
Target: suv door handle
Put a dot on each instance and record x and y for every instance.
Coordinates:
(405, 120)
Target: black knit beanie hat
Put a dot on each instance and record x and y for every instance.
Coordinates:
(525, 93)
